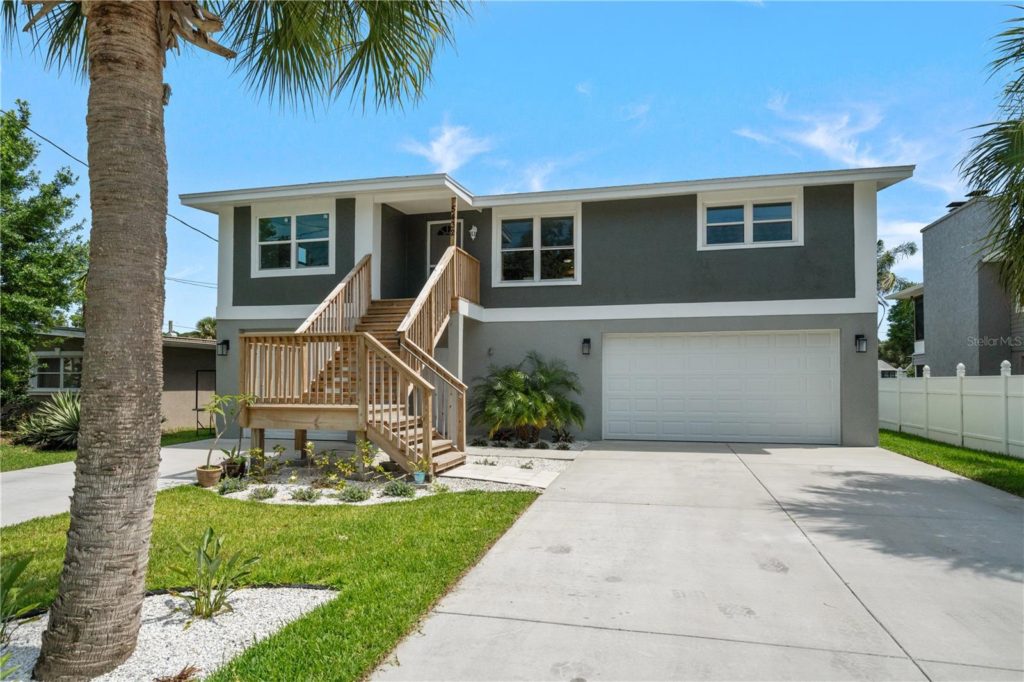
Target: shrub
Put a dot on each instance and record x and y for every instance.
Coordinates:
(262, 492)
(54, 425)
(232, 485)
(439, 488)
(499, 444)
(353, 493)
(563, 446)
(478, 441)
(526, 465)
(212, 577)
(306, 494)
(523, 444)
(487, 462)
(398, 488)
(527, 398)
(541, 445)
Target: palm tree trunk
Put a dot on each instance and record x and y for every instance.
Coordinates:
(95, 619)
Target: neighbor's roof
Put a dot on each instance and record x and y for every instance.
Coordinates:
(884, 366)
(169, 341)
(397, 186)
(909, 292)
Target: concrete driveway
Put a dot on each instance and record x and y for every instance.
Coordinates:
(727, 562)
(44, 491)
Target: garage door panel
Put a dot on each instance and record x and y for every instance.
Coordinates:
(781, 386)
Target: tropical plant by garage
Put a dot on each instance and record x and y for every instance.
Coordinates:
(54, 425)
(526, 398)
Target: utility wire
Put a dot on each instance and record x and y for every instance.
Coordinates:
(72, 156)
(201, 285)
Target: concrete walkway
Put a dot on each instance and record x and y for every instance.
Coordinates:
(537, 478)
(44, 491)
(710, 561)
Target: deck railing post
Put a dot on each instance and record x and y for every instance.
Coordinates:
(362, 384)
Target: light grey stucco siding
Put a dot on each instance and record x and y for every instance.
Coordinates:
(507, 343)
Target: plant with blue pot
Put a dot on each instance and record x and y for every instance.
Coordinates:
(422, 469)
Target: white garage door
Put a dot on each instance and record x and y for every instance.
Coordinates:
(780, 387)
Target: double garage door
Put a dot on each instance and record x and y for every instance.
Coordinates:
(780, 387)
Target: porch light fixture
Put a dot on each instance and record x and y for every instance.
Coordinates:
(472, 232)
(223, 347)
(860, 342)
(585, 348)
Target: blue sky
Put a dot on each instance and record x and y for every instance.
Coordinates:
(549, 96)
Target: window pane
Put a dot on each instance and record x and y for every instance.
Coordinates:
(773, 232)
(48, 380)
(275, 256)
(781, 211)
(556, 231)
(558, 264)
(312, 226)
(311, 254)
(517, 234)
(275, 229)
(731, 234)
(72, 365)
(725, 214)
(517, 265)
(72, 380)
(48, 365)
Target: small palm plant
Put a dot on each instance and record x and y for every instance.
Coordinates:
(212, 577)
(527, 398)
(54, 425)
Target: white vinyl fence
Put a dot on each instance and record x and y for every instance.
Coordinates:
(986, 413)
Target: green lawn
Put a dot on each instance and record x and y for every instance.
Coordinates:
(998, 471)
(14, 457)
(391, 562)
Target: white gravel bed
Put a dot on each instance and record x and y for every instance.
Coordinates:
(523, 461)
(551, 451)
(166, 645)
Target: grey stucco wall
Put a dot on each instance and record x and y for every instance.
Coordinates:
(506, 343)
(178, 402)
(645, 251)
(394, 246)
(286, 290)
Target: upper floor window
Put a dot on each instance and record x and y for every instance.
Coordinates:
(729, 223)
(292, 243)
(541, 249)
(56, 371)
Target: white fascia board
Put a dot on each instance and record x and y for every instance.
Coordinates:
(265, 312)
(883, 177)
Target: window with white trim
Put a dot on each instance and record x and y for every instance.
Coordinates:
(297, 243)
(56, 371)
(727, 223)
(538, 249)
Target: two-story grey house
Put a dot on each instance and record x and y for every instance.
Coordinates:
(966, 316)
(735, 309)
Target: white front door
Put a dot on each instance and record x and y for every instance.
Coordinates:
(777, 386)
(439, 238)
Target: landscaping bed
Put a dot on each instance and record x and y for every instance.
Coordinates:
(999, 471)
(389, 564)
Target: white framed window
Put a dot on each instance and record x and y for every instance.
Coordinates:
(54, 371)
(540, 247)
(767, 218)
(289, 240)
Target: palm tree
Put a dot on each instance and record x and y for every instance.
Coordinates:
(206, 328)
(295, 52)
(996, 163)
(885, 261)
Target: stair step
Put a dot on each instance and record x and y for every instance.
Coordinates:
(440, 446)
(448, 460)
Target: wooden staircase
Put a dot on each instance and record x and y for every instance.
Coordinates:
(367, 365)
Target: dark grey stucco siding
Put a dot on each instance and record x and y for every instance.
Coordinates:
(290, 290)
(394, 255)
(645, 251)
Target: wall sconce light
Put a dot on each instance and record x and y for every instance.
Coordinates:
(223, 347)
(472, 232)
(585, 348)
(860, 342)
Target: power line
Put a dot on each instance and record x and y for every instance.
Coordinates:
(72, 156)
(201, 285)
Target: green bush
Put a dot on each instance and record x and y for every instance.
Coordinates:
(262, 492)
(212, 577)
(542, 445)
(306, 494)
(527, 398)
(353, 493)
(398, 488)
(54, 424)
(522, 444)
(478, 441)
(563, 446)
(232, 485)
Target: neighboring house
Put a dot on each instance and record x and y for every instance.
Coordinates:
(885, 370)
(739, 309)
(961, 311)
(189, 373)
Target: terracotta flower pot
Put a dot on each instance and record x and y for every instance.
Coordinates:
(209, 476)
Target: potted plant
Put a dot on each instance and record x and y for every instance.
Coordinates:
(234, 463)
(422, 469)
(225, 410)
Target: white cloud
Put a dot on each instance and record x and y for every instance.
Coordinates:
(450, 147)
(584, 88)
(755, 136)
(536, 175)
(637, 112)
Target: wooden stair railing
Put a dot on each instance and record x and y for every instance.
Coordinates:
(342, 309)
(288, 368)
(457, 275)
(449, 397)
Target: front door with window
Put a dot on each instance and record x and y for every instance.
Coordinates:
(439, 238)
